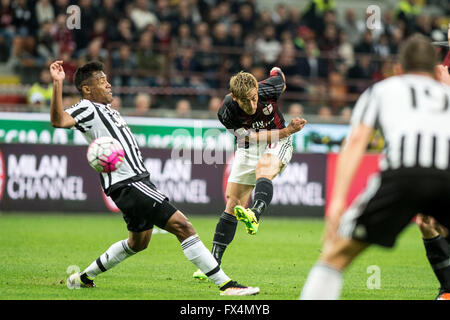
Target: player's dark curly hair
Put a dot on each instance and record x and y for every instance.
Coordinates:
(85, 72)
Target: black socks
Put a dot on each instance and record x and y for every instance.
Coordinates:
(263, 196)
(439, 257)
(225, 231)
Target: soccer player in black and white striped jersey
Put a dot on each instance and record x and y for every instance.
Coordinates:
(141, 203)
(413, 112)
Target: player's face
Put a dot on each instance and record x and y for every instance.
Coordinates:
(249, 104)
(101, 88)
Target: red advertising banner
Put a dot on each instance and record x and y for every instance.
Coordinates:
(55, 178)
(369, 166)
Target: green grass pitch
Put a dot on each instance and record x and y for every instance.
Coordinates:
(37, 249)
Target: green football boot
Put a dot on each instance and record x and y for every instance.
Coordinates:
(248, 217)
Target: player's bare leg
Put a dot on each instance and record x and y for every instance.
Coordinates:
(199, 255)
(236, 194)
(266, 170)
(324, 281)
(435, 240)
(116, 253)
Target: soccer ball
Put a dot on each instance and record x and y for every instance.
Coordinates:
(105, 154)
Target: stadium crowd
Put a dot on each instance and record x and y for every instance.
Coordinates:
(181, 53)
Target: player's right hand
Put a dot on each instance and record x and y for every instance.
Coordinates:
(57, 71)
(296, 125)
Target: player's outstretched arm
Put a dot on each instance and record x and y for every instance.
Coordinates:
(269, 136)
(348, 163)
(58, 118)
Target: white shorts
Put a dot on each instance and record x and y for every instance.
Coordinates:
(245, 160)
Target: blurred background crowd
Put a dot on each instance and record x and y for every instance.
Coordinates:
(175, 57)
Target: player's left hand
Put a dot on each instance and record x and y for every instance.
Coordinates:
(442, 74)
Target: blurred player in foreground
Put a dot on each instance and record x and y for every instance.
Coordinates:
(264, 148)
(413, 112)
(436, 238)
(141, 203)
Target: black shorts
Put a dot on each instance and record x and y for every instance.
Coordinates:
(392, 199)
(142, 205)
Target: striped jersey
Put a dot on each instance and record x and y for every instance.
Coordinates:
(267, 115)
(413, 114)
(96, 120)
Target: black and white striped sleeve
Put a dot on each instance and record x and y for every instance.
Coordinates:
(366, 109)
(83, 113)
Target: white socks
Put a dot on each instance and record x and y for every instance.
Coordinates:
(324, 283)
(118, 252)
(198, 254)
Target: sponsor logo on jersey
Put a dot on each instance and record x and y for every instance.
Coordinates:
(267, 109)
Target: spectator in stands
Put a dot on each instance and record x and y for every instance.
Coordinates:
(423, 25)
(24, 19)
(89, 15)
(314, 14)
(142, 105)
(352, 27)
(60, 6)
(236, 35)
(366, 45)
(163, 36)
(287, 61)
(330, 39)
(47, 49)
(220, 35)
(201, 30)
(94, 52)
(281, 18)
(208, 61)
(268, 47)
(141, 16)
(184, 37)
(40, 93)
(345, 51)
(184, 63)
(337, 89)
(325, 114)
(44, 11)
(382, 47)
(396, 40)
(214, 105)
(312, 65)
(69, 65)
(123, 61)
(407, 11)
(124, 32)
(163, 11)
(149, 60)
(345, 115)
(111, 13)
(246, 17)
(295, 110)
(116, 103)
(100, 31)
(362, 70)
(183, 109)
(63, 37)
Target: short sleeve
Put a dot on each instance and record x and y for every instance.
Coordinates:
(366, 108)
(83, 113)
(272, 87)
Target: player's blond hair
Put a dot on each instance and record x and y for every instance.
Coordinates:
(241, 84)
(417, 54)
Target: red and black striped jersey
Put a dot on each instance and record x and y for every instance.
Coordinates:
(267, 115)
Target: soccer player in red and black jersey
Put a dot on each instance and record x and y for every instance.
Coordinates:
(264, 148)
